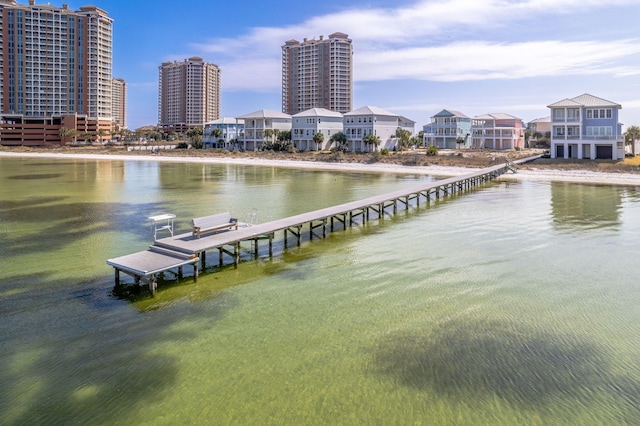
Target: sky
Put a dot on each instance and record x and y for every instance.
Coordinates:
(411, 57)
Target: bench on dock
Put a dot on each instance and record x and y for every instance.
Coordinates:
(213, 223)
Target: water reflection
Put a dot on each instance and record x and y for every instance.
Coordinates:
(584, 207)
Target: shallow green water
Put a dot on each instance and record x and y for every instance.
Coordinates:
(513, 304)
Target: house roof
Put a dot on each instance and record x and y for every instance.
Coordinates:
(450, 113)
(371, 110)
(225, 120)
(496, 116)
(266, 113)
(541, 120)
(318, 112)
(585, 100)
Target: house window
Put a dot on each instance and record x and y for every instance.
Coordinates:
(599, 131)
(558, 114)
(599, 113)
(559, 131)
(573, 114)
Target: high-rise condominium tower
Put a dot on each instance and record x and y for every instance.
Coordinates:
(317, 74)
(54, 62)
(188, 94)
(119, 102)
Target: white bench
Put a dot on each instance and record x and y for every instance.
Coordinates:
(213, 223)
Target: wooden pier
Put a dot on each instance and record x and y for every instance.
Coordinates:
(177, 251)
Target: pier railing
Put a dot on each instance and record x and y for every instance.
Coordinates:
(179, 250)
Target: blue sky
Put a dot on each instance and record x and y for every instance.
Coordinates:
(412, 57)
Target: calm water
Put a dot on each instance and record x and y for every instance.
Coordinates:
(513, 304)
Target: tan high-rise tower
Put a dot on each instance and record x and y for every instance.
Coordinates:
(55, 70)
(188, 94)
(119, 102)
(317, 74)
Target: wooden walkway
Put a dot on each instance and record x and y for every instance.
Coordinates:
(185, 249)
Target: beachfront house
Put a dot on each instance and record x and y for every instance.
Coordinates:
(229, 128)
(306, 124)
(255, 125)
(539, 131)
(448, 129)
(377, 121)
(586, 127)
(497, 131)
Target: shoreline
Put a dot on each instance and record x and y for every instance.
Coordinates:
(541, 174)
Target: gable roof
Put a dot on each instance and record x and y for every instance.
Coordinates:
(542, 120)
(496, 116)
(318, 112)
(450, 113)
(585, 100)
(225, 120)
(266, 113)
(371, 110)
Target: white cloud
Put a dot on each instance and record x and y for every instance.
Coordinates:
(425, 41)
(483, 60)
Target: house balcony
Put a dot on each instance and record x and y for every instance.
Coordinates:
(565, 120)
(585, 138)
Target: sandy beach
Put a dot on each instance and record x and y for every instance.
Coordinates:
(529, 173)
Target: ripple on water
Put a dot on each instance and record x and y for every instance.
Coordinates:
(527, 367)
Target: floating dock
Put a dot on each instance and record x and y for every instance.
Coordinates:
(176, 251)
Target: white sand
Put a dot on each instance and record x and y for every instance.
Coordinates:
(535, 174)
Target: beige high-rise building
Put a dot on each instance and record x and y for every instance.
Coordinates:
(318, 74)
(56, 66)
(119, 102)
(188, 94)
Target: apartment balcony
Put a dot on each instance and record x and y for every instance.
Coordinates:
(585, 138)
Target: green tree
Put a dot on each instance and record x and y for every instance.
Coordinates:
(631, 135)
(318, 138)
(216, 135)
(87, 136)
(403, 136)
(195, 135)
(341, 141)
(416, 140)
(372, 139)
(65, 133)
(101, 133)
(282, 136)
(268, 135)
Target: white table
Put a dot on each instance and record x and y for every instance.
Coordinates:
(159, 224)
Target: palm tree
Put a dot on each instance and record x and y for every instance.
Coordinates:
(403, 136)
(195, 135)
(65, 133)
(216, 134)
(631, 135)
(416, 141)
(372, 139)
(268, 136)
(318, 138)
(100, 133)
(341, 140)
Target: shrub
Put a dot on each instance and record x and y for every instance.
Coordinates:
(375, 156)
(384, 151)
(432, 151)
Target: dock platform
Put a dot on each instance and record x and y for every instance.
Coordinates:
(179, 250)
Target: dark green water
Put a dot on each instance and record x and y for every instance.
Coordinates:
(514, 304)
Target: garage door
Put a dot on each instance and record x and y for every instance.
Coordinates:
(604, 152)
(559, 151)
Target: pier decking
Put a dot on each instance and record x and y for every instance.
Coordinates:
(185, 249)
